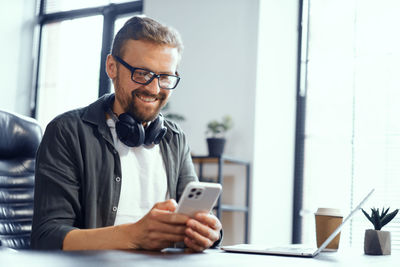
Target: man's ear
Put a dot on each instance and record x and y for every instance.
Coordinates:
(111, 67)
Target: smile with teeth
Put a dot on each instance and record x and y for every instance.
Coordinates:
(147, 98)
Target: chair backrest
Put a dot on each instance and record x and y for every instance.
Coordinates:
(19, 139)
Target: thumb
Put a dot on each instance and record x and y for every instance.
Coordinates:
(169, 205)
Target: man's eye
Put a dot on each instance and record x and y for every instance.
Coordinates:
(141, 73)
(164, 78)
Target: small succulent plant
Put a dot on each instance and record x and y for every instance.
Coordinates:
(218, 128)
(380, 220)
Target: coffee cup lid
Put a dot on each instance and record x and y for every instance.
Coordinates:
(329, 212)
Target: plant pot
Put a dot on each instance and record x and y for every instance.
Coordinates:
(377, 242)
(215, 146)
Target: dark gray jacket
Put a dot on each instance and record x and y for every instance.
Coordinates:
(77, 170)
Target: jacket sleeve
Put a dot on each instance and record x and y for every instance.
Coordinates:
(56, 200)
(188, 174)
(187, 171)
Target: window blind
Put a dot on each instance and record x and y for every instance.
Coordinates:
(352, 131)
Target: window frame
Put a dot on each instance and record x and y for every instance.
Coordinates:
(301, 100)
(109, 12)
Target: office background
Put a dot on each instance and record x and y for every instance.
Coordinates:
(241, 59)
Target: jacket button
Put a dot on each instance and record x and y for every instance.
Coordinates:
(114, 151)
(114, 209)
(118, 179)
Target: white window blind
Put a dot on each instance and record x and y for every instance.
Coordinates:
(353, 112)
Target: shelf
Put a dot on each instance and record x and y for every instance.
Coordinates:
(221, 161)
(233, 208)
(224, 159)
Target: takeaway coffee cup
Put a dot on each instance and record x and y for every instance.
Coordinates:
(326, 221)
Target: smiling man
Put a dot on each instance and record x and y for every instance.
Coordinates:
(108, 175)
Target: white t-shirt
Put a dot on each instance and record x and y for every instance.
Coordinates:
(143, 181)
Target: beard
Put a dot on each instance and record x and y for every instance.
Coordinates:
(130, 102)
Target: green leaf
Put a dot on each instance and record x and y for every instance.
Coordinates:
(389, 217)
(219, 127)
(367, 215)
(376, 218)
(380, 219)
(384, 212)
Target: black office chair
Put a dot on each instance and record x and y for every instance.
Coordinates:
(19, 139)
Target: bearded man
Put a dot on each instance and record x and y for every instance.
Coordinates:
(108, 175)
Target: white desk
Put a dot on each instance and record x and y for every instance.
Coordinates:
(208, 258)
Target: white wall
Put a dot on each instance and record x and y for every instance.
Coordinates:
(16, 31)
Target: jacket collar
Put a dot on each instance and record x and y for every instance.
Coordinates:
(95, 114)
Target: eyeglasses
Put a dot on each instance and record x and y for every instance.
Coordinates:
(143, 76)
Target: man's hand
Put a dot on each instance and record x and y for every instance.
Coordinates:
(202, 231)
(159, 228)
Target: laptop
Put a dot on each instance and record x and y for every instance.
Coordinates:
(297, 249)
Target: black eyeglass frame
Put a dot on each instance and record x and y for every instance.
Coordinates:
(154, 75)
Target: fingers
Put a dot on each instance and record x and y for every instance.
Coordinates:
(196, 229)
(193, 245)
(160, 238)
(157, 241)
(202, 231)
(163, 211)
(155, 226)
(159, 229)
(167, 216)
(169, 205)
(210, 220)
(197, 241)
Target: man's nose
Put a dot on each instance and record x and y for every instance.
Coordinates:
(153, 87)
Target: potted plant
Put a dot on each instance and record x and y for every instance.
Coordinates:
(377, 242)
(216, 131)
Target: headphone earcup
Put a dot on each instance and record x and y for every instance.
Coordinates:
(155, 132)
(129, 131)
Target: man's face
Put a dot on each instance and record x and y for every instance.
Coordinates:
(147, 100)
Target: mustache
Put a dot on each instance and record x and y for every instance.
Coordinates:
(159, 96)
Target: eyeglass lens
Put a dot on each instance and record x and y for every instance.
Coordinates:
(164, 80)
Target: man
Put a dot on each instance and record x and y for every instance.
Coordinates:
(107, 175)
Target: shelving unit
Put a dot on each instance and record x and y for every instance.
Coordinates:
(221, 161)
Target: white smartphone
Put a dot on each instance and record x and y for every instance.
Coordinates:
(198, 197)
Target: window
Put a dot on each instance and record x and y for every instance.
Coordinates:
(352, 129)
(70, 62)
(74, 40)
